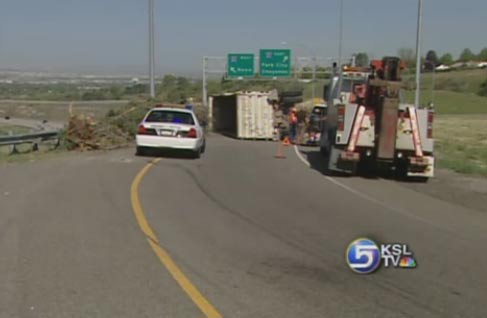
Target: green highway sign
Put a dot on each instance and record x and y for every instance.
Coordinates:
(240, 65)
(275, 63)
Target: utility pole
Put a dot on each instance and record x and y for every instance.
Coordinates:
(340, 48)
(151, 49)
(418, 54)
(205, 87)
(314, 76)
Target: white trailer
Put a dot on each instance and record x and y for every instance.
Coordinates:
(242, 115)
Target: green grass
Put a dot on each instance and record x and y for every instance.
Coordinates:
(464, 81)
(467, 81)
(448, 103)
(46, 150)
(461, 143)
(460, 129)
(455, 92)
(56, 111)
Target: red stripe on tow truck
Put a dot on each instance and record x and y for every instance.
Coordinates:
(414, 127)
(356, 129)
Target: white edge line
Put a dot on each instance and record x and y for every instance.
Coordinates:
(366, 197)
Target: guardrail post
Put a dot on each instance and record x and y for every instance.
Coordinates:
(33, 139)
(13, 147)
(57, 143)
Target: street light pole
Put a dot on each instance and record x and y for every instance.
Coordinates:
(340, 48)
(205, 85)
(151, 49)
(418, 54)
(433, 81)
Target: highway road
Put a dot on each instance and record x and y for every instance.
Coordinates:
(236, 233)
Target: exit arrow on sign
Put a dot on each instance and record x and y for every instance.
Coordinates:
(275, 63)
(240, 65)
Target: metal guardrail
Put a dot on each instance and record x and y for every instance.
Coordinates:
(32, 138)
(28, 138)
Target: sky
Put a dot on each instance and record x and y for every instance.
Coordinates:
(110, 36)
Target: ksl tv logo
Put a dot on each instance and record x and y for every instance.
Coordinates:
(364, 256)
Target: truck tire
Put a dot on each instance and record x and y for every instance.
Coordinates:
(292, 99)
(203, 147)
(140, 151)
(367, 168)
(325, 144)
(291, 94)
(196, 154)
(419, 179)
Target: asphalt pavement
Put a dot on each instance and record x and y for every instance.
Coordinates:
(236, 233)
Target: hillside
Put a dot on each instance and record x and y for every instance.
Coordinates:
(454, 92)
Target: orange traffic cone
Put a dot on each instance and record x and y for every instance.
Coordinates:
(286, 141)
(279, 154)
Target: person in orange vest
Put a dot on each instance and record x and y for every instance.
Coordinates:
(293, 124)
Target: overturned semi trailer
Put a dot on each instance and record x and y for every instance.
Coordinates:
(243, 115)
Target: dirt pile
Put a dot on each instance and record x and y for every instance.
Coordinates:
(84, 133)
(116, 129)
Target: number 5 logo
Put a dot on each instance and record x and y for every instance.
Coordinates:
(363, 256)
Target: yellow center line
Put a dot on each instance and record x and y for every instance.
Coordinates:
(198, 299)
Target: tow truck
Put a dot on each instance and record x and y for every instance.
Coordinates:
(368, 128)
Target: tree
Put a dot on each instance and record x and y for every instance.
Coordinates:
(306, 73)
(182, 82)
(483, 55)
(322, 72)
(136, 89)
(467, 55)
(446, 59)
(431, 61)
(362, 59)
(407, 55)
(169, 80)
(116, 92)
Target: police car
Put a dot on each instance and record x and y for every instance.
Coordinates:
(170, 128)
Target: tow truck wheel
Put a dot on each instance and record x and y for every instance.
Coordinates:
(419, 179)
(323, 151)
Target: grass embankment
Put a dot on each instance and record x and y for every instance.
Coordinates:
(452, 103)
(460, 127)
(56, 111)
(461, 143)
(460, 132)
(24, 151)
(6, 129)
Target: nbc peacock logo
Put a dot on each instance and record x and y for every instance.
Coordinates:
(365, 256)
